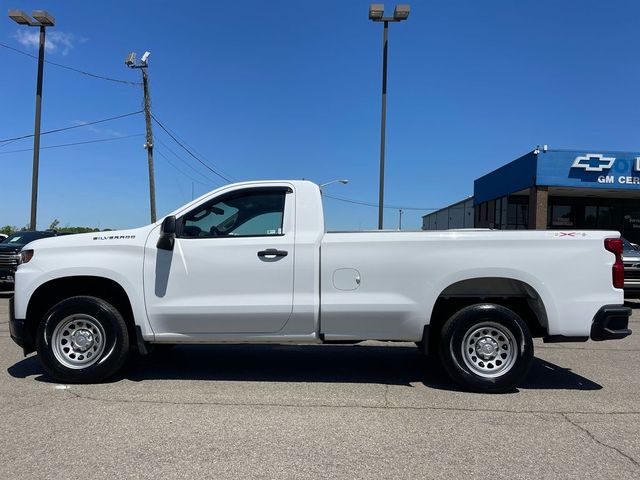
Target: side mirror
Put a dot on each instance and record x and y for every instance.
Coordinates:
(167, 233)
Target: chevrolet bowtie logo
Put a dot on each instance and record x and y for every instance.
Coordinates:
(593, 162)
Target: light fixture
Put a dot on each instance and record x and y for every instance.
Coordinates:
(343, 181)
(44, 18)
(130, 60)
(401, 12)
(376, 11)
(20, 17)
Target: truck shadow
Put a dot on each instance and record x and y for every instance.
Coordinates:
(393, 365)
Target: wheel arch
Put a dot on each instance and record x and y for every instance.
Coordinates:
(53, 291)
(513, 293)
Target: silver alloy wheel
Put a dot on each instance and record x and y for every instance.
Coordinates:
(78, 341)
(489, 349)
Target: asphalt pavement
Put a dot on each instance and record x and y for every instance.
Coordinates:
(375, 410)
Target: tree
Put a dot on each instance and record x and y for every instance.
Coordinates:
(8, 229)
(54, 224)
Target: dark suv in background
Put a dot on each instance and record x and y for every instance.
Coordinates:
(10, 251)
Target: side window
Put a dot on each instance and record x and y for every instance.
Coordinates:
(247, 213)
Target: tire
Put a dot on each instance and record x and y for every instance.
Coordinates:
(486, 348)
(82, 340)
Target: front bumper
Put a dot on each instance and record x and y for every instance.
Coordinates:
(611, 323)
(7, 274)
(19, 332)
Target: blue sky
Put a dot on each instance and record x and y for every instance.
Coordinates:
(285, 90)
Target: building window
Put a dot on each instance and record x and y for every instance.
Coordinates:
(561, 216)
(517, 214)
(605, 218)
(523, 217)
(631, 225)
(601, 217)
(497, 216)
(590, 217)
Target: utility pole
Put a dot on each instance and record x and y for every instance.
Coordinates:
(149, 144)
(40, 19)
(143, 65)
(400, 220)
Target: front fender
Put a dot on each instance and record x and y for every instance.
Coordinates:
(32, 276)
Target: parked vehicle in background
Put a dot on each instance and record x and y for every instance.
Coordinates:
(10, 251)
(253, 263)
(2, 237)
(631, 259)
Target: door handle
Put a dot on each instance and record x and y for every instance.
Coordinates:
(272, 252)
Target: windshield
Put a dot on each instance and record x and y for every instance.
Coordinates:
(628, 247)
(22, 238)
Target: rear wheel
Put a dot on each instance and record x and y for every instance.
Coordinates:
(82, 340)
(486, 348)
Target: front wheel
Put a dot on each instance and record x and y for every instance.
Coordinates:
(486, 348)
(82, 340)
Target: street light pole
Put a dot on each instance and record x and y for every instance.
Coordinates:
(383, 125)
(376, 14)
(36, 133)
(42, 20)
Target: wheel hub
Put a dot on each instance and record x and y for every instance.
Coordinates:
(487, 348)
(82, 340)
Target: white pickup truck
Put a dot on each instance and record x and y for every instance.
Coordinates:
(252, 262)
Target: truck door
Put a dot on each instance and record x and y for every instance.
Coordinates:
(231, 268)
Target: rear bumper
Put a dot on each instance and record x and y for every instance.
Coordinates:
(611, 323)
(19, 332)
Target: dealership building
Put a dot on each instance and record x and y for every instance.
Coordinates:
(553, 189)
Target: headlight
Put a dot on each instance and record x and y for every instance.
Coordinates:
(25, 256)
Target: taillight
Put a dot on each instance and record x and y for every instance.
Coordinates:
(614, 245)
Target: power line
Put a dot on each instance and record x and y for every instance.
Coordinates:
(173, 132)
(89, 74)
(181, 171)
(189, 151)
(173, 135)
(72, 127)
(73, 144)
(187, 163)
(371, 204)
(8, 143)
(192, 151)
